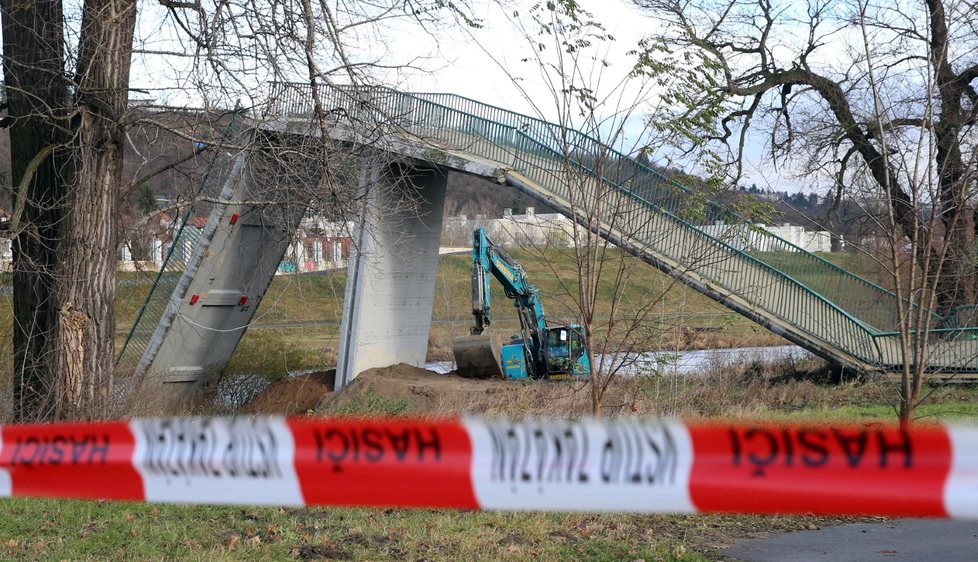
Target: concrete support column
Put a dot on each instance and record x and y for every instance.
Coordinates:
(392, 270)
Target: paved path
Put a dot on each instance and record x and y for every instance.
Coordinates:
(894, 541)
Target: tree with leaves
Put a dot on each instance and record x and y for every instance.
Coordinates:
(802, 76)
(878, 97)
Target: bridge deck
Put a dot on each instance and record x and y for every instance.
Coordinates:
(818, 305)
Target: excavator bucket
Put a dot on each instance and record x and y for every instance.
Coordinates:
(479, 356)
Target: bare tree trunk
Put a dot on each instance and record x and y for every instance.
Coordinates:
(37, 96)
(64, 258)
(85, 294)
(907, 407)
(955, 284)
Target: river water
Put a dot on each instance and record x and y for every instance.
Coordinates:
(683, 362)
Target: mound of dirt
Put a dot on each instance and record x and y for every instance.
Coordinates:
(401, 388)
(292, 395)
(418, 391)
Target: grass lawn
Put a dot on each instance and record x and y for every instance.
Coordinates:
(83, 530)
(317, 299)
(45, 529)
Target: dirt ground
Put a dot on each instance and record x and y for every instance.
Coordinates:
(292, 395)
(407, 389)
(423, 392)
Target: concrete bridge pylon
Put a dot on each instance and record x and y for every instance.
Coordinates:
(390, 286)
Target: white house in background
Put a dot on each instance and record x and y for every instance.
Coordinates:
(750, 238)
(317, 245)
(530, 229)
(554, 229)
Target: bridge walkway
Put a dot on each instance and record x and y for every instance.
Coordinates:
(795, 293)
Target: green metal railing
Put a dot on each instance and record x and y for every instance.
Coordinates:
(652, 213)
(151, 312)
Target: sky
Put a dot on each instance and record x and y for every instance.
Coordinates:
(474, 65)
(483, 64)
(477, 63)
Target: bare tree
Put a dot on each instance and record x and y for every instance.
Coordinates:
(923, 267)
(589, 127)
(66, 140)
(798, 75)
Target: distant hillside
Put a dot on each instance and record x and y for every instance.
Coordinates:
(473, 195)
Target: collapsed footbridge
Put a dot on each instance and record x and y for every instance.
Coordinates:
(419, 140)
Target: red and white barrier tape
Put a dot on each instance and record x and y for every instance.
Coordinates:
(612, 465)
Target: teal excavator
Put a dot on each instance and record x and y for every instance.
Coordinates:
(539, 350)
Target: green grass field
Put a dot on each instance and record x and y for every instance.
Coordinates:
(83, 530)
(317, 299)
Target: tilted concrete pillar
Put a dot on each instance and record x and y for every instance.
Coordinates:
(392, 271)
(225, 278)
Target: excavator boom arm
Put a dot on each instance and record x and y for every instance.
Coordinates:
(488, 260)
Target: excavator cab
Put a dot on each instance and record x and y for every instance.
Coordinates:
(565, 349)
